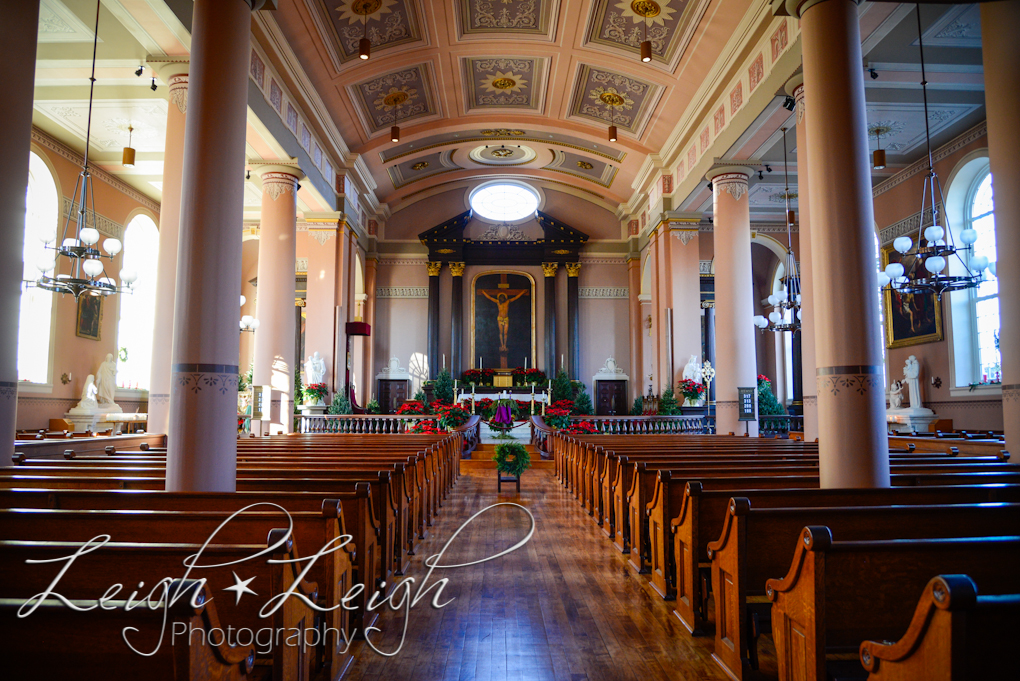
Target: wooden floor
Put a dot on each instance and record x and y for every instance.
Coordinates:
(564, 606)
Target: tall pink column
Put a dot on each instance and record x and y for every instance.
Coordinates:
(853, 444)
(1000, 26)
(685, 283)
(175, 75)
(667, 362)
(734, 296)
(368, 348)
(274, 302)
(636, 341)
(795, 87)
(657, 304)
(202, 437)
(18, 32)
(321, 303)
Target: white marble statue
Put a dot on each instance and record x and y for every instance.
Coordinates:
(692, 370)
(315, 369)
(896, 395)
(912, 372)
(106, 383)
(88, 403)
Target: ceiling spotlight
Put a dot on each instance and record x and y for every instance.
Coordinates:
(139, 71)
(789, 103)
(768, 168)
(761, 175)
(247, 176)
(153, 86)
(710, 185)
(873, 73)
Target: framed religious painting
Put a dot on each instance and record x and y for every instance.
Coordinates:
(910, 319)
(502, 320)
(90, 317)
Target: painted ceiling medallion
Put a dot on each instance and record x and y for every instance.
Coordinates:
(502, 82)
(609, 97)
(395, 97)
(343, 23)
(622, 25)
(502, 153)
(420, 165)
(525, 18)
(408, 91)
(584, 165)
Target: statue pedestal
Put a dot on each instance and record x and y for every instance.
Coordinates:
(93, 418)
(313, 409)
(909, 420)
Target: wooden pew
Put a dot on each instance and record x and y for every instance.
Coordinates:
(955, 634)
(58, 642)
(838, 594)
(756, 543)
(704, 512)
(311, 530)
(355, 512)
(93, 573)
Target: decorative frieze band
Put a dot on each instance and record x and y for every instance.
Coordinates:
(301, 265)
(402, 292)
(410, 260)
(907, 226)
(611, 292)
(602, 260)
(105, 225)
(857, 378)
(705, 268)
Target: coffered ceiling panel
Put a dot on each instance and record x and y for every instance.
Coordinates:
(403, 95)
(608, 97)
(495, 135)
(902, 123)
(58, 24)
(505, 83)
(416, 169)
(959, 27)
(621, 25)
(386, 23)
(110, 121)
(772, 195)
(529, 19)
(591, 169)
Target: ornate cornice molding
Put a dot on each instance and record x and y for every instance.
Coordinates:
(907, 226)
(402, 292)
(602, 260)
(105, 225)
(416, 261)
(47, 142)
(605, 292)
(977, 132)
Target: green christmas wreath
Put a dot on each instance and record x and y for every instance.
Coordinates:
(512, 458)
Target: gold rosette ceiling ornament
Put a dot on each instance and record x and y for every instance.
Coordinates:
(394, 100)
(612, 99)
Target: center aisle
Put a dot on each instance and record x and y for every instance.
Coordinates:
(563, 606)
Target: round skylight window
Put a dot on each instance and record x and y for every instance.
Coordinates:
(504, 201)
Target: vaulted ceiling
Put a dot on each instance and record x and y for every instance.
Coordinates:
(538, 80)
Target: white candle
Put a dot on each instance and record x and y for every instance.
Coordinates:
(479, 361)
(525, 362)
(444, 360)
(563, 362)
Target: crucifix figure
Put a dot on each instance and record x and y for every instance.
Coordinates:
(503, 296)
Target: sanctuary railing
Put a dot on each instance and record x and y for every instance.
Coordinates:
(384, 424)
(638, 424)
(771, 425)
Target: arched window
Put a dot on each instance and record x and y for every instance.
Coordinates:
(138, 308)
(984, 299)
(36, 316)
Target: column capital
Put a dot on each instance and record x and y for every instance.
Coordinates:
(730, 179)
(573, 269)
(457, 268)
(166, 67)
(549, 268)
(434, 268)
(796, 8)
(277, 178)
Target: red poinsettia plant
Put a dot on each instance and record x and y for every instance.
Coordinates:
(451, 416)
(691, 389)
(557, 417)
(427, 427)
(763, 377)
(316, 391)
(412, 408)
(582, 428)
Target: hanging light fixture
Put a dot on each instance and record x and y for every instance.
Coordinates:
(78, 243)
(785, 315)
(612, 99)
(922, 267)
(646, 45)
(364, 45)
(395, 129)
(128, 157)
(878, 157)
(248, 323)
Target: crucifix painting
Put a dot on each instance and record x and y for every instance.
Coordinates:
(503, 320)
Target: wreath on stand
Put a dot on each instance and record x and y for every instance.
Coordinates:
(512, 458)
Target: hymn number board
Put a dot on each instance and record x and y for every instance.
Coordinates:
(747, 404)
